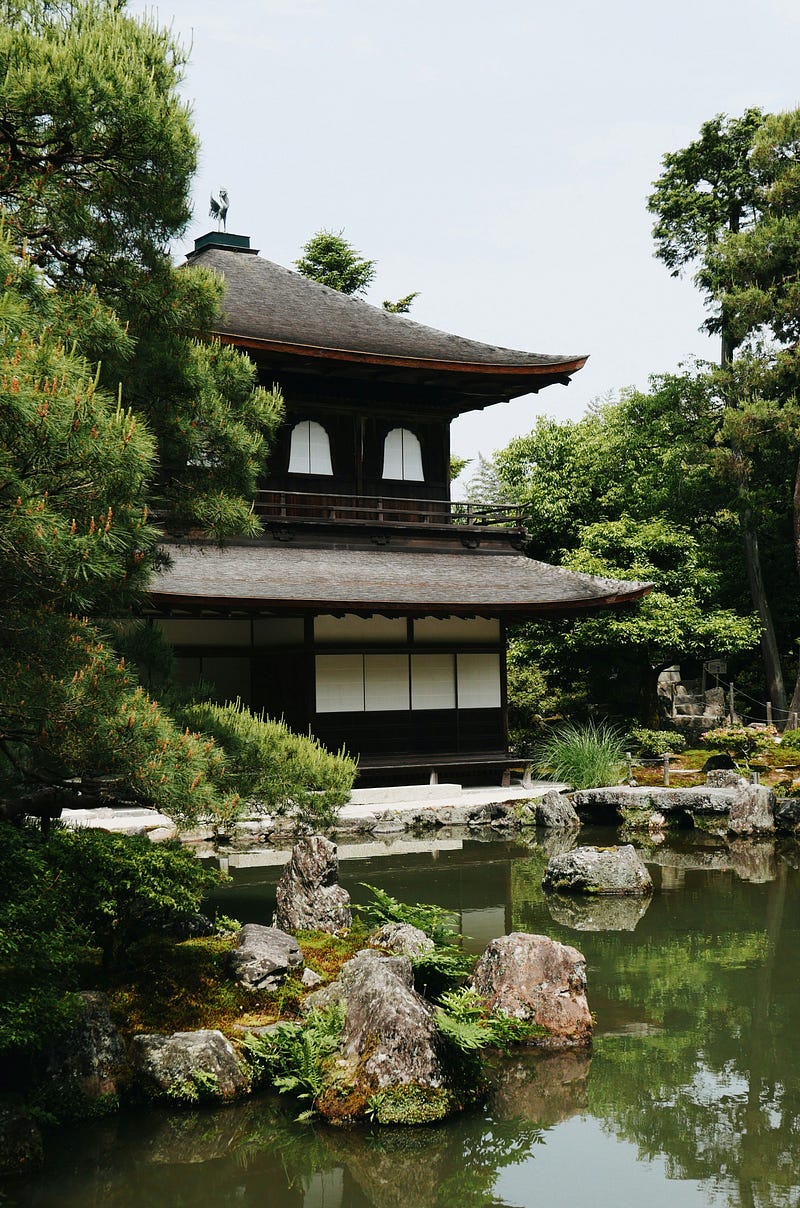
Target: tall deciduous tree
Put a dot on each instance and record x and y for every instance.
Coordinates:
(753, 273)
(710, 196)
(705, 190)
(633, 491)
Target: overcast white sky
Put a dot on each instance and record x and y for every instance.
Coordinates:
(496, 157)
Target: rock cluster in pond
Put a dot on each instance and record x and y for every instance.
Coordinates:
(189, 1066)
(309, 895)
(263, 956)
(598, 870)
(539, 980)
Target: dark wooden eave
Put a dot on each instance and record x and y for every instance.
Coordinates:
(289, 323)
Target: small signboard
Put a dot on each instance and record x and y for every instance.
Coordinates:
(717, 666)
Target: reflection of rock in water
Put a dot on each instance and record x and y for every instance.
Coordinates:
(396, 1167)
(556, 843)
(790, 854)
(182, 1138)
(542, 1088)
(430, 1167)
(754, 859)
(597, 914)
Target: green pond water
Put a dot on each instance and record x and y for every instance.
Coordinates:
(691, 1095)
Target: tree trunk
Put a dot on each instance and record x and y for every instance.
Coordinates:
(769, 644)
(794, 707)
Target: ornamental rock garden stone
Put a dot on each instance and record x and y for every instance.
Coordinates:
(539, 980)
(600, 870)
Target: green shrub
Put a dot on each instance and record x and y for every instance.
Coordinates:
(791, 738)
(68, 894)
(439, 970)
(739, 740)
(657, 742)
(264, 761)
(586, 756)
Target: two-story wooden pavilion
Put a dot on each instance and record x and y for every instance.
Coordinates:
(373, 610)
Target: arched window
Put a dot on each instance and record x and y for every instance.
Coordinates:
(402, 456)
(310, 449)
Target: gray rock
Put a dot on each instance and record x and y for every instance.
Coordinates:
(752, 811)
(401, 938)
(188, 1067)
(598, 870)
(389, 1043)
(309, 895)
(787, 814)
(724, 778)
(556, 812)
(596, 804)
(537, 979)
(263, 956)
(85, 1065)
(310, 980)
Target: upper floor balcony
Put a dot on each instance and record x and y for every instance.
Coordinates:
(389, 511)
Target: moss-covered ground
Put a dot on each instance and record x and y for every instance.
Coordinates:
(166, 986)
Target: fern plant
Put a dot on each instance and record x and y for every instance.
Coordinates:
(295, 1057)
(437, 923)
(463, 1018)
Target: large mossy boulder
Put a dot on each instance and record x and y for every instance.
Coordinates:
(598, 870)
(392, 1065)
(540, 981)
(309, 895)
(188, 1068)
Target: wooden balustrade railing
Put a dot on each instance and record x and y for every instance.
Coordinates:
(374, 509)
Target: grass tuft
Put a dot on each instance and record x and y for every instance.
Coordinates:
(586, 756)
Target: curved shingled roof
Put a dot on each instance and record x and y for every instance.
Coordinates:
(272, 576)
(270, 307)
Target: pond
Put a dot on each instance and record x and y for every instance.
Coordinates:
(691, 1095)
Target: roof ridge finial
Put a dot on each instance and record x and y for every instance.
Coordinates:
(219, 209)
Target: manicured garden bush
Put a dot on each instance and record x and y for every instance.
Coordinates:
(265, 762)
(657, 742)
(740, 741)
